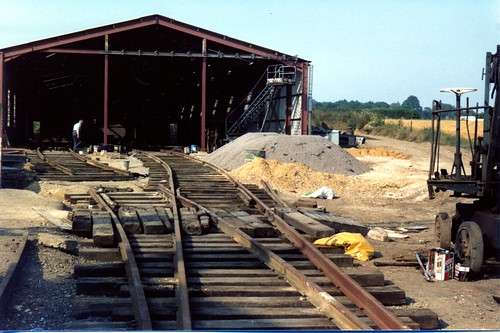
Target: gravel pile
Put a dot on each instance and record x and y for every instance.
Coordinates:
(313, 151)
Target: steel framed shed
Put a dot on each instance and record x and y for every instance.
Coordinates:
(151, 81)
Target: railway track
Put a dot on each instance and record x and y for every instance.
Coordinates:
(70, 166)
(198, 251)
(8, 282)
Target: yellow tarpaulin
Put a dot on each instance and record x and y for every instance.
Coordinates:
(354, 244)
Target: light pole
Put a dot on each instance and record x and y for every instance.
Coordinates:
(457, 161)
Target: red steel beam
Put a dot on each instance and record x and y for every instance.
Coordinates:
(74, 51)
(220, 39)
(156, 53)
(203, 97)
(288, 111)
(106, 86)
(53, 42)
(1, 110)
(305, 87)
(77, 37)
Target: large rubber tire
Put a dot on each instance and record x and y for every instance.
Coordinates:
(469, 247)
(442, 230)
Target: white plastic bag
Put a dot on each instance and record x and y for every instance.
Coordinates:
(321, 193)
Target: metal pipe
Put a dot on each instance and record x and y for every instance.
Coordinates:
(486, 107)
(433, 155)
(457, 163)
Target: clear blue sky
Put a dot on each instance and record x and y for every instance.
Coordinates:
(365, 50)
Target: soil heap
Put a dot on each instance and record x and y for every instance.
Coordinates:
(290, 178)
(313, 151)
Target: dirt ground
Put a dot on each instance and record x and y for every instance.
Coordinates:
(393, 194)
(460, 305)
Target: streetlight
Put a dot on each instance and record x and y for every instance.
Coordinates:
(457, 161)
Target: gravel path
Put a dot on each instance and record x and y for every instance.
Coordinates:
(45, 291)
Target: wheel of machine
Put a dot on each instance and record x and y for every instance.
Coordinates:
(442, 230)
(469, 248)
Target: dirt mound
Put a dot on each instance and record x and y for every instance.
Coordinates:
(297, 178)
(286, 177)
(313, 151)
(378, 152)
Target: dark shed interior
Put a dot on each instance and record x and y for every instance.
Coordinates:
(155, 85)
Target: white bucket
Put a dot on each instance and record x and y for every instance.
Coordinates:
(126, 164)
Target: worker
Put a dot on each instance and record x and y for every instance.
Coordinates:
(76, 134)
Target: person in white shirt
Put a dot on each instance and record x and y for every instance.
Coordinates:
(76, 134)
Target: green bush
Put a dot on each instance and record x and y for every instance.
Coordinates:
(371, 121)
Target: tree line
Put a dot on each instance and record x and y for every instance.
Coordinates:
(404, 110)
(343, 114)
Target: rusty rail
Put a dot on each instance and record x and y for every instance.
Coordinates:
(332, 308)
(9, 282)
(97, 164)
(53, 164)
(139, 303)
(375, 310)
(273, 194)
(182, 291)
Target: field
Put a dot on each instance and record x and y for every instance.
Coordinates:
(447, 126)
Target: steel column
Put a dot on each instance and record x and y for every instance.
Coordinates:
(203, 97)
(305, 86)
(288, 111)
(1, 111)
(106, 84)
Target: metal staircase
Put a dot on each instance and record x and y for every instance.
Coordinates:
(250, 120)
(251, 115)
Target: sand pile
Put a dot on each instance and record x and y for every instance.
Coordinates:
(286, 177)
(313, 151)
(378, 152)
(297, 178)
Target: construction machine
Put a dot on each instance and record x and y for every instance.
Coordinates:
(474, 229)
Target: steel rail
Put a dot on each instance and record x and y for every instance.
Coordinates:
(330, 306)
(272, 194)
(183, 317)
(366, 302)
(139, 303)
(11, 278)
(98, 165)
(53, 164)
